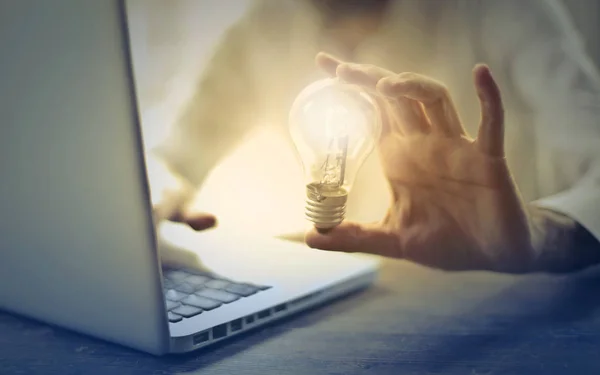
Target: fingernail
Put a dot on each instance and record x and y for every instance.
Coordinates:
(482, 70)
(481, 66)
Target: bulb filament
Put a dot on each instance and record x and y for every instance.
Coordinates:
(334, 167)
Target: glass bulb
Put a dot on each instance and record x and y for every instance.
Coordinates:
(334, 126)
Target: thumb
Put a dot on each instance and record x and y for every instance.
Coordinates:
(490, 138)
(356, 238)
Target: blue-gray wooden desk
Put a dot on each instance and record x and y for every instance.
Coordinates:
(414, 321)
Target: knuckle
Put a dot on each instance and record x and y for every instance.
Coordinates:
(439, 90)
(442, 90)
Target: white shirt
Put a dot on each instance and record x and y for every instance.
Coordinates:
(550, 88)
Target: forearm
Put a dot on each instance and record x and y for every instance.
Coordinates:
(220, 111)
(561, 245)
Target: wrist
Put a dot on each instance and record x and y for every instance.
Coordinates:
(169, 193)
(171, 204)
(560, 244)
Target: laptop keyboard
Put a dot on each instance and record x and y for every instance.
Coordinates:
(189, 293)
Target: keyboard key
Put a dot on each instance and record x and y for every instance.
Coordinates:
(201, 302)
(243, 290)
(175, 275)
(171, 305)
(217, 284)
(219, 295)
(196, 280)
(187, 311)
(185, 288)
(174, 318)
(169, 284)
(175, 296)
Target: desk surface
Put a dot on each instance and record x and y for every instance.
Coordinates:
(413, 321)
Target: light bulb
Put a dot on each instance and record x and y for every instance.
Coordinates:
(334, 126)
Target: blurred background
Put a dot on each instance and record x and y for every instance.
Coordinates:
(172, 42)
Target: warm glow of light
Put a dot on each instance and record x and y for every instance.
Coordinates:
(259, 188)
(331, 117)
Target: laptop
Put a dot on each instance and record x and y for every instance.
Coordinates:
(78, 245)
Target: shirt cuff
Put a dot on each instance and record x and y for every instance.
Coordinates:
(580, 203)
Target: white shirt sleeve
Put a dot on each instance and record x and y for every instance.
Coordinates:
(581, 202)
(549, 67)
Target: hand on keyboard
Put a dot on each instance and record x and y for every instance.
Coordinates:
(173, 256)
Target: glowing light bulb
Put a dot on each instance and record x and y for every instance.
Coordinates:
(334, 126)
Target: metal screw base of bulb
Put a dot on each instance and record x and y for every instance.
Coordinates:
(325, 208)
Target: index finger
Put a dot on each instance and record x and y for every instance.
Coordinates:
(328, 63)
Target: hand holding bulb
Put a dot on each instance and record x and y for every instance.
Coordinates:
(455, 205)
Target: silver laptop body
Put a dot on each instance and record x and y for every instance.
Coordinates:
(78, 246)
